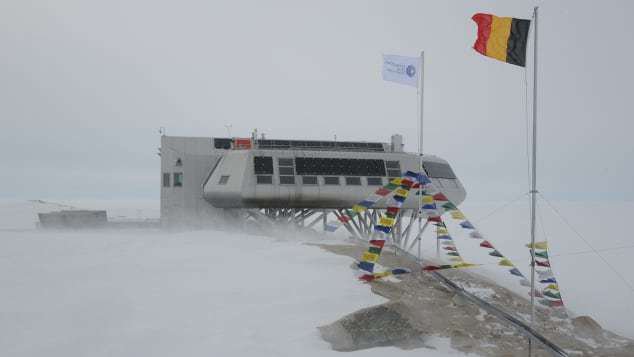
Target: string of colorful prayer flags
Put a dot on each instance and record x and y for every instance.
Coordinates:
(383, 228)
(550, 294)
(364, 205)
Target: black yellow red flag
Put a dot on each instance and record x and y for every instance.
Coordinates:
(502, 38)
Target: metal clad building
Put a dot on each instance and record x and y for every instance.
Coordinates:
(203, 178)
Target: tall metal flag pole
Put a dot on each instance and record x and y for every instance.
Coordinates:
(534, 173)
(420, 146)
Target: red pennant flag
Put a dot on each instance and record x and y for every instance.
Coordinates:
(440, 197)
(434, 219)
(431, 268)
(367, 278)
(486, 244)
(543, 264)
(378, 242)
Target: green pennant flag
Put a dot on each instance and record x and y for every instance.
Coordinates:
(553, 295)
(542, 254)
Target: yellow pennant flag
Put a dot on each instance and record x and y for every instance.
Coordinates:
(505, 263)
(401, 192)
(358, 208)
(464, 265)
(538, 245)
(382, 274)
(386, 221)
(553, 287)
(457, 215)
(428, 199)
(442, 231)
(396, 181)
(370, 257)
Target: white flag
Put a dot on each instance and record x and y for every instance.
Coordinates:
(401, 69)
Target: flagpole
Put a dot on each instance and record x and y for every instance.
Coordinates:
(420, 147)
(533, 191)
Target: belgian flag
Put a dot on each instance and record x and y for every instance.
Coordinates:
(502, 38)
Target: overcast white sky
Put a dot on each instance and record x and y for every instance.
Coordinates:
(85, 85)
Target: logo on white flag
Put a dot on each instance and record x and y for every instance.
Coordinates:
(411, 70)
(401, 69)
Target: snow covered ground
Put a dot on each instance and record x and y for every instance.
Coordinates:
(131, 293)
(149, 293)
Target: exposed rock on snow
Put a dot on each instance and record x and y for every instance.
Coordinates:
(586, 326)
(383, 325)
(422, 307)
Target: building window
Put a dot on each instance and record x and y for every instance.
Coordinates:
(287, 171)
(438, 170)
(393, 165)
(285, 162)
(331, 180)
(223, 180)
(263, 165)
(178, 179)
(264, 180)
(166, 179)
(309, 180)
(393, 168)
(375, 181)
(179, 162)
(287, 180)
(394, 173)
(353, 181)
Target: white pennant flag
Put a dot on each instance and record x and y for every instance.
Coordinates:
(401, 69)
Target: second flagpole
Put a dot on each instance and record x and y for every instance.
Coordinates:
(420, 144)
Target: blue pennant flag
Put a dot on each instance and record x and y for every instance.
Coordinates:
(397, 271)
(383, 229)
(423, 179)
(548, 281)
(369, 267)
(467, 225)
(411, 175)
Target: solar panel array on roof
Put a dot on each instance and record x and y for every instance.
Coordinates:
(339, 167)
(319, 145)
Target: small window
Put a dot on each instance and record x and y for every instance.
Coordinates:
(223, 180)
(309, 180)
(287, 171)
(393, 165)
(438, 170)
(394, 173)
(178, 179)
(179, 162)
(166, 179)
(263, 165)
(287, 180)
(353, 181)
(285, 162)
(331, 180)
(375, 181)
(264, 180)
